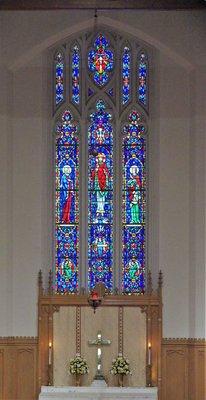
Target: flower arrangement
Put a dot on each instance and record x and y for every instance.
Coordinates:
(120, 365)
(78, 365)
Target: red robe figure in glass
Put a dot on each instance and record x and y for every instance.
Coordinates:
(100, 177)
(67, 194)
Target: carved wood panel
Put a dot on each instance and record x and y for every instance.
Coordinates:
(26, 373)
(183, 369)
(18, 368)
(176, 374)
(1, 373)
(200, 373)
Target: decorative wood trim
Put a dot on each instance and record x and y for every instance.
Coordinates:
(159, 338)
(107, 4)
(109, 300)
(78, 329)
(184, 341)
(14, 340)
(120, 330)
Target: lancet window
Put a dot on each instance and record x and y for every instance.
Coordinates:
(101, 101)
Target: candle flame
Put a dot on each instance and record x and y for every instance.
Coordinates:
(149, 345)
(50, 345)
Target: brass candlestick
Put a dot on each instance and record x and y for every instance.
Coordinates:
(149, 375)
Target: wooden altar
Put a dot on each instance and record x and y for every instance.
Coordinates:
(149, 303)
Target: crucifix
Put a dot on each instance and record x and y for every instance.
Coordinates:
(99, 342)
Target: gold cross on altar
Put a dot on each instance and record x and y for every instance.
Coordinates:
(99, 342)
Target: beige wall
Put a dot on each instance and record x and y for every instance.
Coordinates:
(177, 235)
(106, 321)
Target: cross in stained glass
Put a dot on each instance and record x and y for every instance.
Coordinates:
(101, 60)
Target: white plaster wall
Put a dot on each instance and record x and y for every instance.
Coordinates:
(178, 160)
(174, 196)
(5, 198)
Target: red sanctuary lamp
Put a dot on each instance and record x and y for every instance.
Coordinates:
(94, 300)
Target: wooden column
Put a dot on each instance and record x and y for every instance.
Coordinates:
(149, 331)
(159, 342)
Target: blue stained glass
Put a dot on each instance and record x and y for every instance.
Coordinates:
(126, 61)
(67, 204)
(134, 259)
(66, 259)
(59, 78)
(100, 140)
(101, 60)
(100, 131)
(100, 255)
(143, 79)
(134, 202)
(76, 75)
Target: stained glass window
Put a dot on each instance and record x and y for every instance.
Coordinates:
(133, 155)
(67, 204)
(100, 144)
(142, 94)
(76, 74)
(101, 60)
(126, 65)
(100, 174)
(59, 78)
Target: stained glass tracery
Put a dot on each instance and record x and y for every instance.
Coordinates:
(133, 152)
(67, 204)
(126, 66)
(101, 60)
(76, 74)
(100, 144)
(142, 79)
(59, 78)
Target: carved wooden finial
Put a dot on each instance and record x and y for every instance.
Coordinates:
(50, 285)
(160, 281)
(149, 282)
(40, 282)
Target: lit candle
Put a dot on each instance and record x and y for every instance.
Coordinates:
(50, 353)
(149, 353)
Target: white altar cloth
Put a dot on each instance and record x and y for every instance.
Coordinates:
(97, 393)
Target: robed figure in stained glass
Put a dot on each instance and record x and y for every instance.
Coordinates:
(134, 268)
(67, 268)
(133, 186)
(67, 194)
(100, 177)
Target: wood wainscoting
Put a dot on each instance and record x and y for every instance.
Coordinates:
(18, 368)
(183, 369)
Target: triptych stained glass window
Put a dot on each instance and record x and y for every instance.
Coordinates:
(100, 111)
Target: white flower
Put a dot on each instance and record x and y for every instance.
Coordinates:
(120, 365)
(78, 365)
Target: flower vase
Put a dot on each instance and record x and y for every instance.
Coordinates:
(120, 380)
(78, 379)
